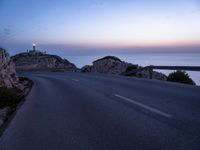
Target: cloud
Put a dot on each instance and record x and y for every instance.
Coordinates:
(6, 31)
(6, 34)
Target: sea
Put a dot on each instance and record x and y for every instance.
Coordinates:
(145, 59)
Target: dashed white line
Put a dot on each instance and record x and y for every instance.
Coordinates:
(154, 110)
(75, 80)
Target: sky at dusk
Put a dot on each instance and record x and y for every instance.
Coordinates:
(93, 26)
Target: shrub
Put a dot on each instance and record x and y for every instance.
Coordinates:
(132, 67)
(181, 77)
(9, 97)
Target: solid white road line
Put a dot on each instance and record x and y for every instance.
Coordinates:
(154, 110)
(75, 80)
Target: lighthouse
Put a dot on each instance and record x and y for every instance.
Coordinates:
(34, 47)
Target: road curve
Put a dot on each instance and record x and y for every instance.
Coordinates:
(77, 111)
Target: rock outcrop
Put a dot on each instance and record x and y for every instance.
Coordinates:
(107, 65)
(113, 65)
(39, 61)
(8, 76)
(155, 75)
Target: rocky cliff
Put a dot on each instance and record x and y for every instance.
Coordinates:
(12, 88)
(8, 76)
(113, 65)
(38, 61)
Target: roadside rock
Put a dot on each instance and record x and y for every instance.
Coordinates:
(107, 65)
(8, 76)
(155, 75)
(39, 61)
(159, 76)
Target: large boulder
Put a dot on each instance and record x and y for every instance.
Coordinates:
(107, 65)
(39, 61)
(8, 76)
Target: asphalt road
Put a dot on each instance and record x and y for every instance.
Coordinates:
(72, 111)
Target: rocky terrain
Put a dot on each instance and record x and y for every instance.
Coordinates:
(8, 76)
(12, 88)
(144, 73)
(113, 65)
(107, 65)
(39, 61)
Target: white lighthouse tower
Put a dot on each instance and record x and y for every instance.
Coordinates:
(34, 47)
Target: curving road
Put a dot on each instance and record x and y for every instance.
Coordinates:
(73, 111)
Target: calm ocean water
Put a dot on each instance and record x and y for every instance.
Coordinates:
(182, 59)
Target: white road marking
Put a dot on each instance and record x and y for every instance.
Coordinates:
(75, 80)
(144, 106)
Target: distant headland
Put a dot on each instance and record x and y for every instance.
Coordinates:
(37, 60)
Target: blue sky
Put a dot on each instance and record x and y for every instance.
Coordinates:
(95, 26)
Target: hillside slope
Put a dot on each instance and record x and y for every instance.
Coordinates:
(38, 61)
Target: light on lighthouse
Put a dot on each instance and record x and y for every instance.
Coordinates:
(34, 46)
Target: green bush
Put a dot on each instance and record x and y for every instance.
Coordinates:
(9, 97)
(181, 77)
(132, 67)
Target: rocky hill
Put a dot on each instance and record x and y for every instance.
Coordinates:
(113, 65)
(39, 61)
(8, 76)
